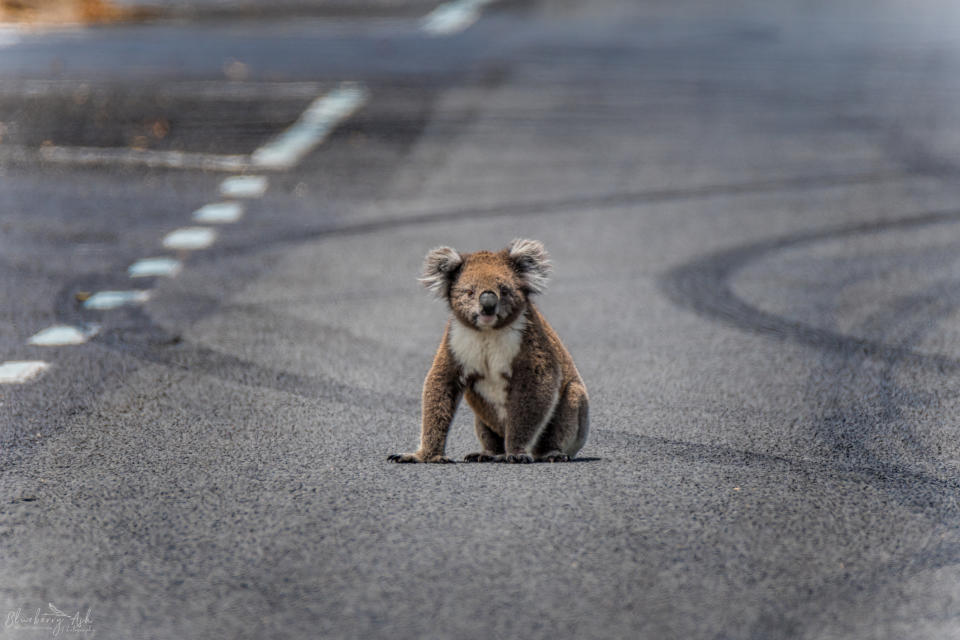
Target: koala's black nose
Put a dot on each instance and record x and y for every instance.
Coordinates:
(488, 301)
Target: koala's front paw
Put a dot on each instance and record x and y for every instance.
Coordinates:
(415, 457)
(518, 458)
(404, 457)
(554, 456)
(480, 457)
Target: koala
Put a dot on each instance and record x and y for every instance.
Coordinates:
(529, 401)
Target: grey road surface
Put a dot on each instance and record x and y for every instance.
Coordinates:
(753, 209)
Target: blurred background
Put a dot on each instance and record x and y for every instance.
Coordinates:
(212, 220)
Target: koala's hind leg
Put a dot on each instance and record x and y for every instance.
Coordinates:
(566, 433)
(492, 444)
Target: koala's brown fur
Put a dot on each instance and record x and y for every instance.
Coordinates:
(499, 352)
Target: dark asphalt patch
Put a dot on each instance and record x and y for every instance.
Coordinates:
(218, 11)
(143, 117)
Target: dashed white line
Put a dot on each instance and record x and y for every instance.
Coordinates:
(312, 128)
(452, 17)
(104, 300)
(283, 152)
(190, 238)
(153, 267)
(63, 335)
(243, 186)
(20, 371)
(218, 213)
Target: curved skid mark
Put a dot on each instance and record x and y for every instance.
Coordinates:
(703, 286)
(545, 206)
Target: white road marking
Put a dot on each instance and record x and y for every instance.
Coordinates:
(312, 128)
(104, 300)
(452, 17)
(20, 371)
(9, 36)
(144, 158)
(243, 186)
(283, 152)
(218, 213)
(190, 238)
(62, 335)
(150, 267)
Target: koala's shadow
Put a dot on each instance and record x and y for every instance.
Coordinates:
(539, 464)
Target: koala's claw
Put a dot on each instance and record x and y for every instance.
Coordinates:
(480, 457)
(412, 457)
(518, 458)
(555, 457)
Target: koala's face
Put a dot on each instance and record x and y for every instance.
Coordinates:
(487, 290)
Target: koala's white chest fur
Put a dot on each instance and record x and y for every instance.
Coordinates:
(489, 355)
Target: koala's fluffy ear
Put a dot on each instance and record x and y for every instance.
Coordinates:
(439, 269)
(531, 262)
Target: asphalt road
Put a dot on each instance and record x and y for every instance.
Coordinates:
(753, 214)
